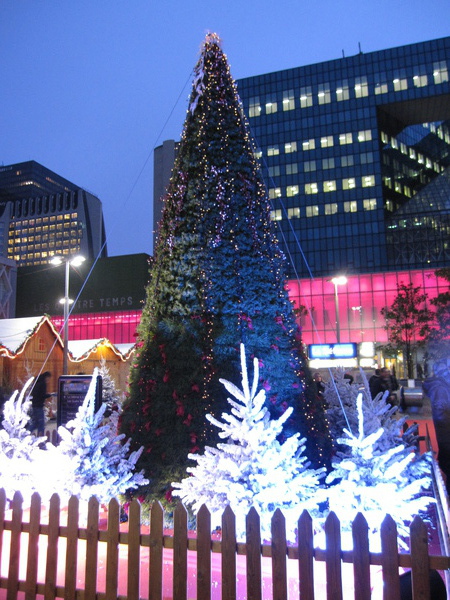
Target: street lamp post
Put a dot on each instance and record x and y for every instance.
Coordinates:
(75, 261)
(341, 280)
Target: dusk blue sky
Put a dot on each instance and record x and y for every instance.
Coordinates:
(89, 87)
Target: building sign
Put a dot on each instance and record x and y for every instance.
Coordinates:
(72, 390)
(330, 351)
(117, 283)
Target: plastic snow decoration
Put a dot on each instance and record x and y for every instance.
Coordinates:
(376, 482)
(99, 464)
(252, 468)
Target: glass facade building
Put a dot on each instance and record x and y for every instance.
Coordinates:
(355, 153)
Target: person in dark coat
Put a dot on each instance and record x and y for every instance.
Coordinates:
(39, 395)
(376, 384)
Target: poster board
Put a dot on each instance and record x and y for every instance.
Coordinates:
(72, 390)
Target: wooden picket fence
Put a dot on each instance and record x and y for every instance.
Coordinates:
(53, 554)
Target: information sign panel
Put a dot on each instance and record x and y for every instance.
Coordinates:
(72, 390)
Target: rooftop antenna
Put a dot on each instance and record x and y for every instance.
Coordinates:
(359, 46)
(343, 53)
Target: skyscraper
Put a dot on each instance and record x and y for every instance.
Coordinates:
(43, 214)
(356, 154)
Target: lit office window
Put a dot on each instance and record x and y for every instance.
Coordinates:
(387, 182)
(381, 85)
(384, 137)
(306, 97)
(440, 72)
(347, 161)
(292, 190)
(291, 169)
(274, 193)
(345, 138)
(342, 91)
(258, 153)
(389, 205)
(273, 150)
(290, 147)
(403, 148)
(274, 171)
(428, 163)
(370, 204)
(254, 109)
(361, 87)
(397, 186)
(348, 183)
(312, 211)
(293, 213)
(328, 163)
(400, 82)
(309, 165)
(420, 158)
(324, 94)
(394, 143)
(331, 208)
(271, 106)
(311, 188)
(420, 80)
(366, 158)
(365, 135)
(329, 186)
(308, 145)
(326, 141)
(350, 207)
(276, 215)
(368, 180)
(288, 100)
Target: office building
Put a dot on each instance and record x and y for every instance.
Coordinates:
(356, 154)
(43, 214)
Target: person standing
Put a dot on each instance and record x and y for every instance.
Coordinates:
(319, 384)
(39, 395)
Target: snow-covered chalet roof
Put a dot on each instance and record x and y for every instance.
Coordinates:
(81, 349)
(15, 332)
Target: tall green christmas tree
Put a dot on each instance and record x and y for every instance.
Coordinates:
(216, 281)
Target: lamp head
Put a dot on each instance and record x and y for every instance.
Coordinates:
(339, 280)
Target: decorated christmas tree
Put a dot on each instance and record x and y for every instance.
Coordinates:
(217, 281)
(252, 468)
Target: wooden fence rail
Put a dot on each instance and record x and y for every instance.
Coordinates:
(55, 554)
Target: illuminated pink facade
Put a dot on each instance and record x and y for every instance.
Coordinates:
(118, 327)
(360, 301)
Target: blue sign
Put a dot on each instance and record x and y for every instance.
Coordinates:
(329, 351)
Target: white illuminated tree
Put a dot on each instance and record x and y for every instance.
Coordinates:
(100, 464)
(252, 468)
(378, 481)
(342, 413)
(27, 463)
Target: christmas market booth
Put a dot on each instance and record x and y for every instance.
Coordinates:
(29, 345)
